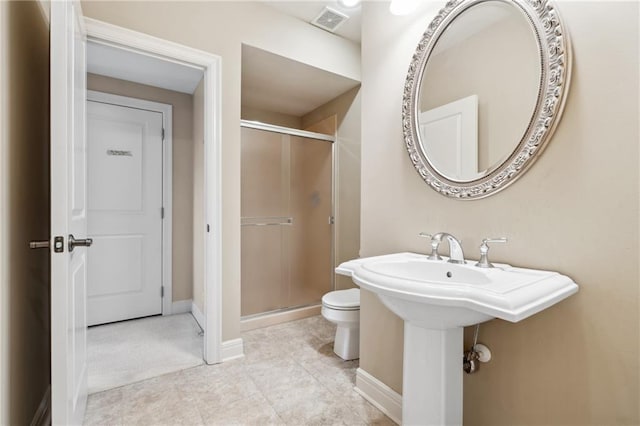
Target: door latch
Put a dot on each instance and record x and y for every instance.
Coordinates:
(38, 244)
(58, 244)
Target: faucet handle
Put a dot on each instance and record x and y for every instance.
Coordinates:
(484, 251)
(495, 240)
(434, 246)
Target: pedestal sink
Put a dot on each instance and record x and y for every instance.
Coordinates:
(436, 299)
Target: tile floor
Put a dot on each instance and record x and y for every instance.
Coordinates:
(289, 376)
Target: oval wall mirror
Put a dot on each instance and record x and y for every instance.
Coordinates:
(484, 92)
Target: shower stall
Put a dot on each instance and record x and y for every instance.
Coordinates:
(287, 219)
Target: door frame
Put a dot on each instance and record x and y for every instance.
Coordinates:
(167, 180)
(211, 65)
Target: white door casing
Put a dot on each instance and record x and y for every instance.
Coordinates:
(68, 214)
(145, 44)
(125, 210)
(452, 133)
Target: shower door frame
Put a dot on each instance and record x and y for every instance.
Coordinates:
(310, 135)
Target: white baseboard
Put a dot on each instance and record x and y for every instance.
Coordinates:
(42, 415)
(180, 307)
(197, 314)
(265, 320)
(380, 395)
(232, 349)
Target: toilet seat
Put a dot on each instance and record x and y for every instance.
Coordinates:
(342, 300)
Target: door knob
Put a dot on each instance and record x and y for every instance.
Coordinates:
(73, 243)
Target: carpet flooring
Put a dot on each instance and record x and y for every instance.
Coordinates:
(131, 351)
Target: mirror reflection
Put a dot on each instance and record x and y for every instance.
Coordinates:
(479, 91)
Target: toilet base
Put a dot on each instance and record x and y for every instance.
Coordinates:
(347, 343)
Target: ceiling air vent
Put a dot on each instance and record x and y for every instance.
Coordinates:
(329, 19)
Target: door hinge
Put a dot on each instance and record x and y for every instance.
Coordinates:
(163, 134)
(207, 227)
(332, 220)
(161, 212)
(162, 291)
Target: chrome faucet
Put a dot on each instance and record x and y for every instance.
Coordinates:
(456, 254)
(434, 246)
(484, 251)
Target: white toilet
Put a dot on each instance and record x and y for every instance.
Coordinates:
(342, 307)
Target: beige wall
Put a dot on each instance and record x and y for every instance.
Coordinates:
(182, 222)
(24, 203)
(575, 211)
(346, 107)
(271, 117)
(221, 28)
(198, 206)
(326, 126)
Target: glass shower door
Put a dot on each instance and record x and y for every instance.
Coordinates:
(311, 206)
(287, 234)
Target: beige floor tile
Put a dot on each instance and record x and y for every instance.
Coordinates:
(148, 391)
(280, 374)
(287, 399)
(104, 408)
(337, 375)
(290, 375)
(254, 410)
(219, 393)
(319, 327)
(259, 351)
(171, 409)
(206, 376)
(321, 413)
(255, 335)
(308, 348)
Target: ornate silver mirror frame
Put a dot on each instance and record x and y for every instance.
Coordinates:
(555, 55)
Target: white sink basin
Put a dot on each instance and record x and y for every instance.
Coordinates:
(436, 299)
(437, 294)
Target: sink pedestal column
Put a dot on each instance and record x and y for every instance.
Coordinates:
(432, 376)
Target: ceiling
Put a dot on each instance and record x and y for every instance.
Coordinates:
(309, 10)
(274, 83)
(131, 66)
(269, 82)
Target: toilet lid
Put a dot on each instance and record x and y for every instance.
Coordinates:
(342, 299)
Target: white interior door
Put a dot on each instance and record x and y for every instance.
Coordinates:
(451, 132)
(125, 212)
(68, 214)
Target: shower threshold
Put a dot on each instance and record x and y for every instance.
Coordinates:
(265, 319)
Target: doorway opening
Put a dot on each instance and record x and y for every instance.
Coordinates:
(153, 174)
